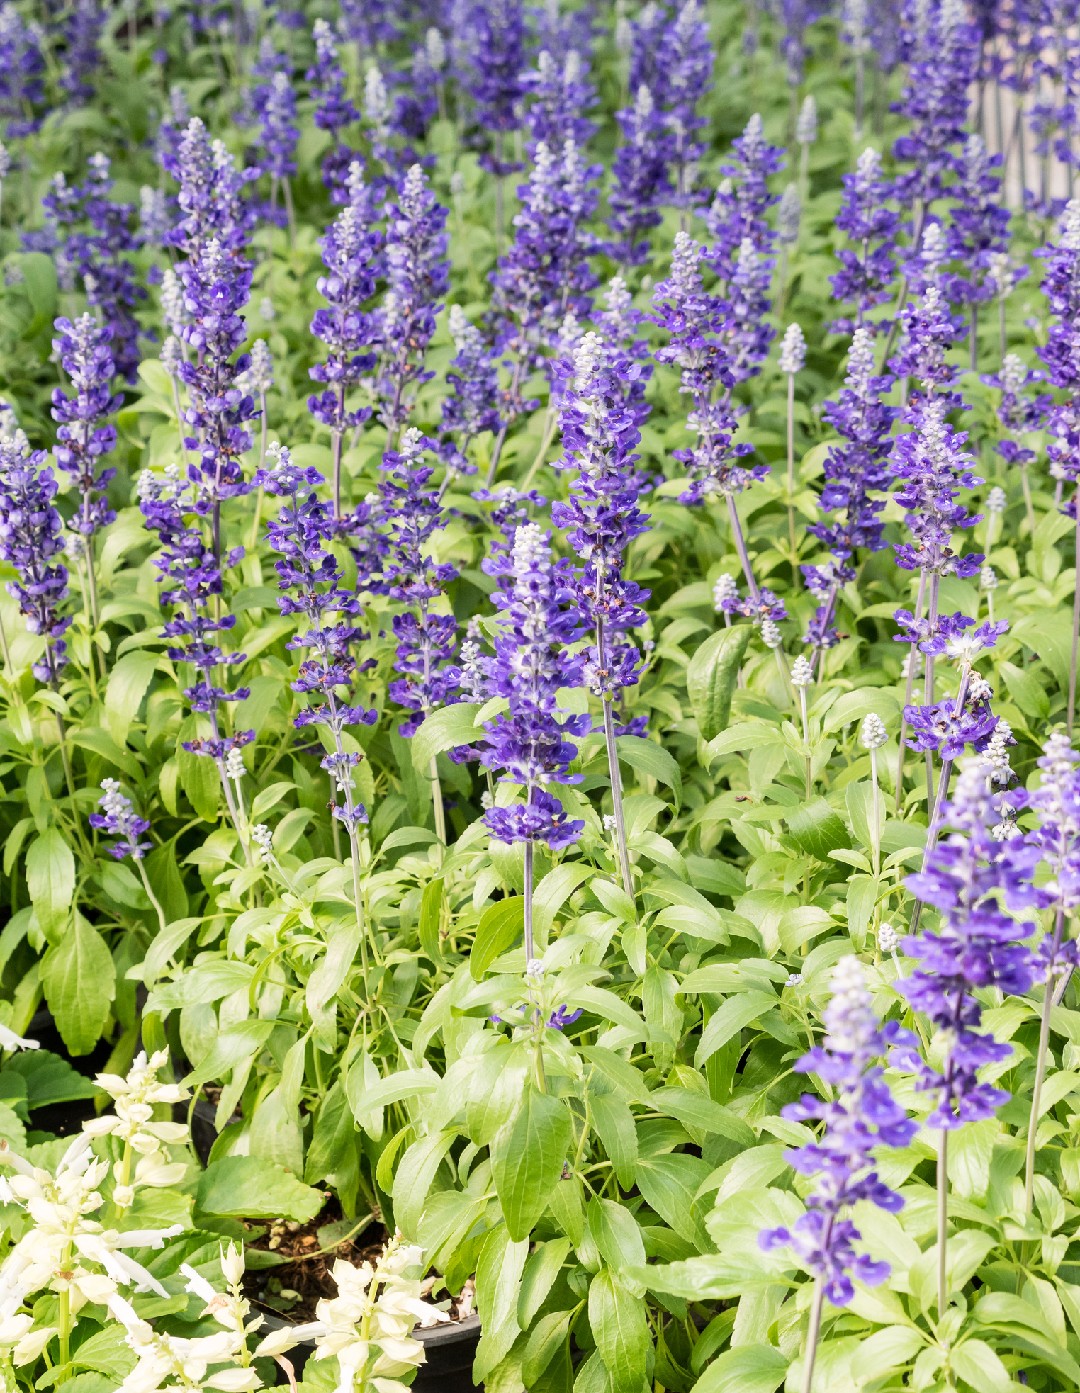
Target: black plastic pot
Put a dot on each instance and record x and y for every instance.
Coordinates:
(450, 1351)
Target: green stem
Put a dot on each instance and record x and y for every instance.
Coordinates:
(1041, 1060)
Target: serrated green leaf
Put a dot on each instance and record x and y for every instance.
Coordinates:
(80, 982)
(527, 1158)
(249, 1187)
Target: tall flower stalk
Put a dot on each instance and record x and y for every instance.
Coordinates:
(697, 324)
(601, 518)
(310, 581)
(85, 435)
(860, 1117)
(533, 742)
(350, 248)
(426, 636)
(1061, 286)
(1056, 839)
(972, 879)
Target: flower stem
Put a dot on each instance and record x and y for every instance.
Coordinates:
(812, 1336)
(875, 816)
(437, 802)
(791, 476)
(942, 1219)
(1076, 621)
(1041, 1059)
(162, 921)
(615, 777)
(530, 948)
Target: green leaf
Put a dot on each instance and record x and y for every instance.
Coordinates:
(248, 1187)
(237, 1042)
(694, 1109)
(527, 1159)
(50, 878)
(501, 926)
(402, 1084)
(444, 729)
(711, 677)
(816, 829)
(198, 777)
(621, 1331)
(977, 1364)
(38, 274)
(647, 757)
(80, 983)
(746, 1369)
(616, 1234)
(670, 1184)
(49, 1079)
(106, 1352)
(430, 918)
(128, 684)
(735, 1013)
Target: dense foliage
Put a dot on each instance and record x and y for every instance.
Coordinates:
(538, 678)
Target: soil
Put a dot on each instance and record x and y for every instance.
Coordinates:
(292, 1288)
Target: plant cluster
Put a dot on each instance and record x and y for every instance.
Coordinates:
(538, 680)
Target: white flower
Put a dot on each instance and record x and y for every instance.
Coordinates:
(724, 592)
(10, 1041)
(771, 636)
(996, 500)
(806, 126)
(872, 732)
(802, 672)
(792, 350)
(889, 938)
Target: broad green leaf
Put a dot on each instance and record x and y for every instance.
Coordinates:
(746, 1369)
(444, 729)
(617, 1236)
(50, 878)
(816, 829)
(670, 1184)
(527, 1159)
(128, 684)
(735, 1013)
(249, 1187)
(647, 757)
(199, 779)
(711, 677)
(80, 982)
(621, 1331)
(498, 1285)
(241, 1041)
(500, 928)
(49, 1079)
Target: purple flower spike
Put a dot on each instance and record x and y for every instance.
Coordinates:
(533, 743)
(546, 272)
(83, 438)
(426, 638)
(861, 1116)
(601, 518)
(417, 276)
(119, 819)
(310, 581)
(31, 541)
(973, 880)
(333, 109)
(642, 182)
(697, 324)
